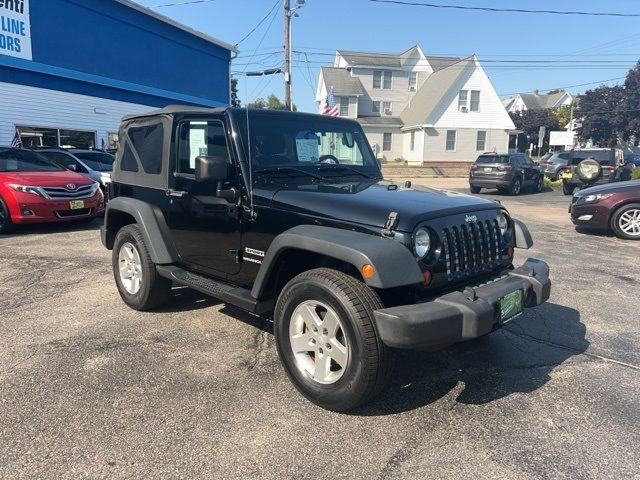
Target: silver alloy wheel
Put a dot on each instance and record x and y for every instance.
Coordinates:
(319, 342)
(130, 268)
(629, 222)
(516, 187)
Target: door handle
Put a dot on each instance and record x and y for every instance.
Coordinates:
(176, 193)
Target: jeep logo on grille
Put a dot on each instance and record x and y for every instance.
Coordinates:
(471, 218)
(71, 186)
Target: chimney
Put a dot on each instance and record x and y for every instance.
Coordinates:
(536, 92)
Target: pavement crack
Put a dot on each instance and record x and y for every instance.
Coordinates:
(260, 342)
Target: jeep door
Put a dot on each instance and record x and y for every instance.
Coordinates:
(205, 228)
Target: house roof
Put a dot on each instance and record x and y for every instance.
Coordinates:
(432, 91)
(181, 26)
(342, 81)
(438, 63)
(535, 101)
(382, 121)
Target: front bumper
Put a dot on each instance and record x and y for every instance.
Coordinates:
(594, 215)
(461, 316)
(39, 210)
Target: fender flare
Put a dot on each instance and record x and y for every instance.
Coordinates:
(152, 225)
(395, 265)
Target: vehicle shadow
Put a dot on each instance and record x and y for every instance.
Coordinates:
(54, 227)
(184, 299)
(516, 359)
(596, 232)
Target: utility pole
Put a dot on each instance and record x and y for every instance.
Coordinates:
(287, 55)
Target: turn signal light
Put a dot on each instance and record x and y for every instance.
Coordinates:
(509, 254)
(367, 270)
(427, 277)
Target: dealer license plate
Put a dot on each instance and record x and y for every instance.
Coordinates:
(488, 169)
(511, 305)
(566, 175)
(76, 204)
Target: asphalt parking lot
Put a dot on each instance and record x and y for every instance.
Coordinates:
(92, 389)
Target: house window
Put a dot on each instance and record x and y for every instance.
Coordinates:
(344, 106)
(413, 81)
(462, 99)
(481, 141)
(387, 80)
(413, 141)
(451, 140)
(376, 107)
(386, 142)
(387, 108)
(382, 79)
(474, 106)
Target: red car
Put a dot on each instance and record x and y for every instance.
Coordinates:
(35, 190)
(614, 206)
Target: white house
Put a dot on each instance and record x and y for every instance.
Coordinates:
(537, 101)
(418, 108)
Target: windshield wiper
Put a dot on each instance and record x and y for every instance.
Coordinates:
(343, 167)
(288, 169)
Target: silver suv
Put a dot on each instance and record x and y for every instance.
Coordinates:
(94, 163)
(553, 163)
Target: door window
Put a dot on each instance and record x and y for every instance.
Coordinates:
(200, 138)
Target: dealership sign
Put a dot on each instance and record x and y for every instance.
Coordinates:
(15, 29)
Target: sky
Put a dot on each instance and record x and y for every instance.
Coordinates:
(520, 52)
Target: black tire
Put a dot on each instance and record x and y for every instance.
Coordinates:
(475, 189)
(618, 217)
(567, 188)
(154, 290)
(540, 184)
(516, 187)
(6, 225)
(369, 364)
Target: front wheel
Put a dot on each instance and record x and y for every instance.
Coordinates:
(135, 274)
(515, 188)
(540, 184)
(625, 222)
(5, 218)
(326, 339)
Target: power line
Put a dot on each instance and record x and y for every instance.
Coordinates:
(507, 10)
(259, 23)
(568, 86)
(188, 2)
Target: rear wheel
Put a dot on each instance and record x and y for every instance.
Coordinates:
(135, 274)
(5, 218)
(625, 222)
(568, 189)
(540, 184)
(516, 187)
(474, 189)
(326, 339)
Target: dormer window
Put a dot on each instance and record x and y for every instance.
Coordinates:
(382, 79)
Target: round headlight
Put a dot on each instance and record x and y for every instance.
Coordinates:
(421, 242)
(503, 223)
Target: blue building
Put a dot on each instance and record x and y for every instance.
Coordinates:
(70, 69)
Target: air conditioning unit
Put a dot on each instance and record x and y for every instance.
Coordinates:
(387, 111)
(464, 109)
(412, 88)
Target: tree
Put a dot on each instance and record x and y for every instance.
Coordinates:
(271, 103)
(562, 115)
(530, 121)
(631, 104)
(601, 113)
(235, 101)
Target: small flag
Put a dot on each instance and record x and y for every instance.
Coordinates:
(328, 105)
(104, 146)
(17, 141)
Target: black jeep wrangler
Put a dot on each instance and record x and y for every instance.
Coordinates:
(288, 214)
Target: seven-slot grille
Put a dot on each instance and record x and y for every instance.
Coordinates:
(471, 248)
(62, 193)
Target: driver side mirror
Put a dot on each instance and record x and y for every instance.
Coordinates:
(73, 167)
(211, 169)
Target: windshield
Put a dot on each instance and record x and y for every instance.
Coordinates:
(14, 160)
(99, 161)
(299, 144)
(493, 159)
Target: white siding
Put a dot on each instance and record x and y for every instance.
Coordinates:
(39, 107)
(491, 115)
(413, 157)
(375, 136)
(436, 138)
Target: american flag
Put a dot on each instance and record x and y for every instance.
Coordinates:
(17, 141)
(104, 146)
(328, 105)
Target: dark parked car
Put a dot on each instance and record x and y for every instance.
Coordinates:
(287, 214)
(508, 172)
(614, 207)
(552, 164)
(589, 167)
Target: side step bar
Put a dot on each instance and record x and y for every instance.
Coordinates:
(240, 297)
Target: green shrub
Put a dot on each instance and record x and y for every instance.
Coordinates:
(554, 183)
(635, 173)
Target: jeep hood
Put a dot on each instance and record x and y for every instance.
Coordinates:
(369, 203)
